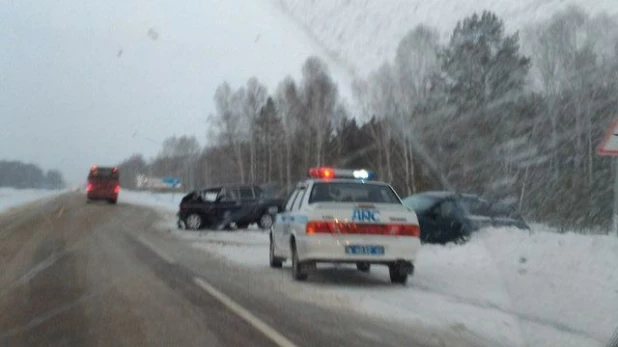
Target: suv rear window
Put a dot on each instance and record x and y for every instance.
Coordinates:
(103, 172)
(353, 192)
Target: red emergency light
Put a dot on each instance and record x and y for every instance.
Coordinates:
(322, 172)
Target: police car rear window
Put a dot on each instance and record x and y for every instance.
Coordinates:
(352, 192)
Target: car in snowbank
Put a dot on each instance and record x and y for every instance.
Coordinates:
(225, 206)
(344, 216)
(446, 216)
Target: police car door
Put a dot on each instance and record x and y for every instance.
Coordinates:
(298, 219)
(281, 226)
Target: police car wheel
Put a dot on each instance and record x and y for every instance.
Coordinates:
(275, 262)
(266, 221)
(398, 274)
(363, 267)
(193, 221)
(298, 272)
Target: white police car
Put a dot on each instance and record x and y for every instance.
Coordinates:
(344, 216)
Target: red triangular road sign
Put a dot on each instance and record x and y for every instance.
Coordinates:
(609, 146)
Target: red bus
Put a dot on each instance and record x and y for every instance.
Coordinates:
(103, 184)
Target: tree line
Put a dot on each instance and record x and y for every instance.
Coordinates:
(20, 175)
(477, 114)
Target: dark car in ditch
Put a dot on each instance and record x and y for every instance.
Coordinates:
(228, 206)
(446, 216)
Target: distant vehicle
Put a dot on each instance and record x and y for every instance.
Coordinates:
(451, 217)
(103, 184)
(345, 216)
(222, 207)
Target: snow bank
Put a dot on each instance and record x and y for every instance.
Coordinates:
(163, 202)
(10, 197)
(366, 33)
(505, 287)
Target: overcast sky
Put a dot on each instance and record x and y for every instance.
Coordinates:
(83, 82)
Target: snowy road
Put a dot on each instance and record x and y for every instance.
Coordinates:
(505, 288)
(77, 274)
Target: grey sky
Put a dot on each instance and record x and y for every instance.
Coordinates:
(69, 98)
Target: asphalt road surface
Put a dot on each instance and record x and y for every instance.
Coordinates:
(78, 274)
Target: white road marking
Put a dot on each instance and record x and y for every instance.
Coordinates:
(243, 313)
(156, 250)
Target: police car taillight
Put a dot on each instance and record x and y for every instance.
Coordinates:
(405, 230)
(318, 228)
(322, 227)
(329, 173)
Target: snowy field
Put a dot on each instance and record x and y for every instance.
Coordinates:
(504, 288)
(10, 197)
(363, 34)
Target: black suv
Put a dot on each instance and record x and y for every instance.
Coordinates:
(223, 207)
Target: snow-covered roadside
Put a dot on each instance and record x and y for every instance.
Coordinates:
(163, 202)
(508, 287)
(11, 197)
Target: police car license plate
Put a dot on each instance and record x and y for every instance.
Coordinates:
(364, 250)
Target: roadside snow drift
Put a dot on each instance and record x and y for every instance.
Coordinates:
(505, 287)
(10, 197)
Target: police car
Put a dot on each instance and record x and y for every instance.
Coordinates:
(345, 216)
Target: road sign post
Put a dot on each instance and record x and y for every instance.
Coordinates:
(609, 147)
(615, 214)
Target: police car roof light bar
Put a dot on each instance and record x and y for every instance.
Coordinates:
(329, 173)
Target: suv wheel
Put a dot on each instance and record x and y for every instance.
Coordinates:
(193, 221)
(266, 221)
(274, 261)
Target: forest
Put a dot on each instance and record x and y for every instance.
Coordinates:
(515, 117)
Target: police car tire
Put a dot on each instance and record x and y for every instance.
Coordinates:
(297, 271)
(397, 275)
(274, 261)
(363, 267)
